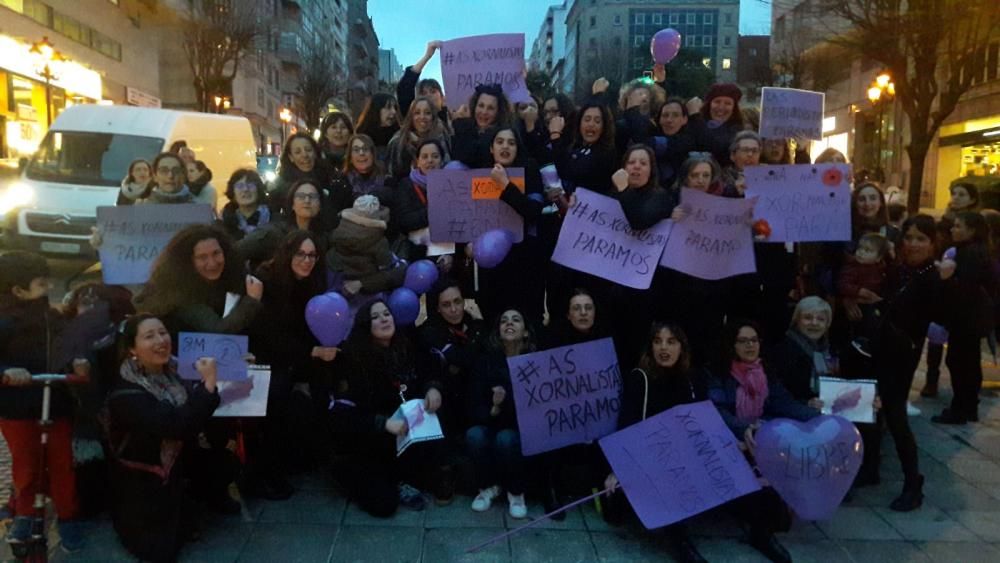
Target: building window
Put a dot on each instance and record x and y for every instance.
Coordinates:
(105, 45)
(675, 18)
(260, 98)
(71, 28)
(640, 19)
(593, 21)
(753, 51)
(727, 64)
(726, 41)
(639, 41)
(38, 11)
(688, 41)
(691, 18)
(729, 17)
(618, 19)
(657, 18)
(694, 40)
(707, 62)
(706, 19)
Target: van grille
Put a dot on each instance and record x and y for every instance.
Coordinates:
(60, 224)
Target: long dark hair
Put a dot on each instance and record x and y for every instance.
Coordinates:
(530, 342)
(174, 281)
(288, 168)
(975, 221)
(278, 270)
(364, 349)
(729, 333)
(249, 175)
(503, 104)
(522, 157)
(127, 334)
(607, 139)
(328, 121)
(859, 223)
(288, 210)
(443, 284)
(371, 116)
(654, 176)
(647, 361)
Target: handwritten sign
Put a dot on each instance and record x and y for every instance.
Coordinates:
(467, 62)
(786, 113)
(456, 215)
(849, 398)
(596, 238)
(247, 398)
(714, 240)
(802, 202)
(133, 236)
(566, 395)
(229, 351)
(484, 187)
(422, 426)
(678, 463)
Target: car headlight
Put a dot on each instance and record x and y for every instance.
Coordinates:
(269, 176)
(17, 195)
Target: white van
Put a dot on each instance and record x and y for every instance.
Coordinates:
(84, 157)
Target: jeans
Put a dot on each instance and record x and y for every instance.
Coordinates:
(496, 456)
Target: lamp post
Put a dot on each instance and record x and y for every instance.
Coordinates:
(286, 116)
(46, 55)
(880, 92)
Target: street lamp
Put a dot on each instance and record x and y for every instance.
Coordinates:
(882, 91)
(221, 103)
(285, 115)
(46, 55)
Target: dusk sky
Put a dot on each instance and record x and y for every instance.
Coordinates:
(404, 27)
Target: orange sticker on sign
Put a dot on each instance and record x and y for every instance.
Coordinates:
(484, 187)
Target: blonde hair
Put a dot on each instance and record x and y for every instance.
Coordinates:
(808, 304)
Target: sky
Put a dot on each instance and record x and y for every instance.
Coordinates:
(407, 30)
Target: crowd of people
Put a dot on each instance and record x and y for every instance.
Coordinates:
(349, 213)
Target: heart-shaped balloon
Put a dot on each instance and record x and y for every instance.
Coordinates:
(811, 464)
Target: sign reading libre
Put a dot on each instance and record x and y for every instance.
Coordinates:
(566, 395)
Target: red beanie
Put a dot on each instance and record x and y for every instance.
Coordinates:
(727, 90)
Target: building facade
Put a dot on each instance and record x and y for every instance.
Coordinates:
(754, 60)
(611, 38)
(362, 69)
(389, 69)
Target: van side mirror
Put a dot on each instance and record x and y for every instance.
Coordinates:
(22, 163)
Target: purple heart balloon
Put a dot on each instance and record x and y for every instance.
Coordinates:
(811, 464)
(329, 318)
(665, 45)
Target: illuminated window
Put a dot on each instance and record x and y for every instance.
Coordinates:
(727, 64)
(707, 62)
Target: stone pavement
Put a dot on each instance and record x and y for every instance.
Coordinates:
(960, 520)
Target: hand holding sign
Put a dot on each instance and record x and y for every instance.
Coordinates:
(499, 176)
(226, 351)
(208, 369)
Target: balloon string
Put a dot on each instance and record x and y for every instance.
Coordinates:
(540, 519)
(475, 276)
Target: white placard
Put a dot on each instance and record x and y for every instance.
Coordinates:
(849, 398)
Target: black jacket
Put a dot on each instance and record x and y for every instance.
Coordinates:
(491, 371)
(645, 207)
(279, 335)
(587, 166)
(714, 140)
(645, 394)
(779, 404)
(469, 145)
(407, 207)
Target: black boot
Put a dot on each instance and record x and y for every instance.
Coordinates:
(949, 416)
(768, 545)
(912, 496)
(551, 502)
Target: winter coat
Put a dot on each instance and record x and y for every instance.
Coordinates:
(231, 221)
(855, 276)
(645, 207)
(401, 154)
(713, 138)
(779, 404)
(646, 394)
(132, 192)
(586, 166)
(491, 371)
(360, 251)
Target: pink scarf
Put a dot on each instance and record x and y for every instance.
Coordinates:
(752, 392)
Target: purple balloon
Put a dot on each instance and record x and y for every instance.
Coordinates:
(664, 45)
(404, 305)
(811, 464)
(456, 165)
(550, 177)
(420, 276)
(937, 334)
(492, 247)
(329, 318)
(950, 253)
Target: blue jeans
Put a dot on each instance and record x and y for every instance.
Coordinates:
(496, 455)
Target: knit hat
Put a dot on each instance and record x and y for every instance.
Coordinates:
(367, 205)
(727, 89)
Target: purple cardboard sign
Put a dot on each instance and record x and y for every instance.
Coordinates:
(714, 240)
(467, 62)
(456, 216)
(566, 395)
(788, 112)
(596, 238)
(678, 463)
(229, 351)
(802, 202)
(133, 236)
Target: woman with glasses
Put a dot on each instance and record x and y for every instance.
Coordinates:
(407, 202)
(170, 181)
(302, 211)
(247, 209)
(363, 172)
(281, 338)
(301, 161)
(744, 151)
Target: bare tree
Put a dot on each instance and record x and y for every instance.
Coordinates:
(933, 49)
(317, 82)
(607, 61)
(217, 35)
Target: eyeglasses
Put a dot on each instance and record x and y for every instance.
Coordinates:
(244, 186)
(360, 150)
(175, 171)
(306, 256)
(748, 341)
(748, 150)
(306, 197)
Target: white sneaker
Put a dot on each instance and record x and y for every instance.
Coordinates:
(517, 507)
(912, 410)
(484, 500)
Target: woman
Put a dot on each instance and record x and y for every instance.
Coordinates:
(378, 121)
(559, 105)
(672, 139)
(170, 177)
(637, 100)
(777, 151)
(699, 172)
(869, 213)
(421, 124)
(190, 281)
(384, 370)
(302, 211)
(718, 121)
(137, 184)
(154, 420)
(493, 441)
(532, 131)
(300, 160)
(971, 316)
(580, 323)
(335, 132)
(587, 158)
(474, 134)
(745, 396)
(831, 155)
(247, 209)
(363, 172)
(663, 379)
(964, 197)
(200, 183)
(407, 201)
(281, 338)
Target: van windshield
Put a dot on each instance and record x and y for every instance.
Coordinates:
(94, 159)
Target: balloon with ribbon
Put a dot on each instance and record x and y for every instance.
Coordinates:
(490, 249)
(665, 45)
(420, 276)
(810, 464)
(404, 305)
(329, 318)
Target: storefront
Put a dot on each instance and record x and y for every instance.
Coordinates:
(23, 109)
(969, 148)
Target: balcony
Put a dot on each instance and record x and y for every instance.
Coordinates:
(290, 49)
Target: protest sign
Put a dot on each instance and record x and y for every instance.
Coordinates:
(790, 113)
(132, 236)
(422, 426)
(678, 463)
(229, 351)
(247, 398)
(849, 398)
(467, 62)
(713, 241)
(566, 395)
(802, 202)
(454, 212)
(596, 238)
